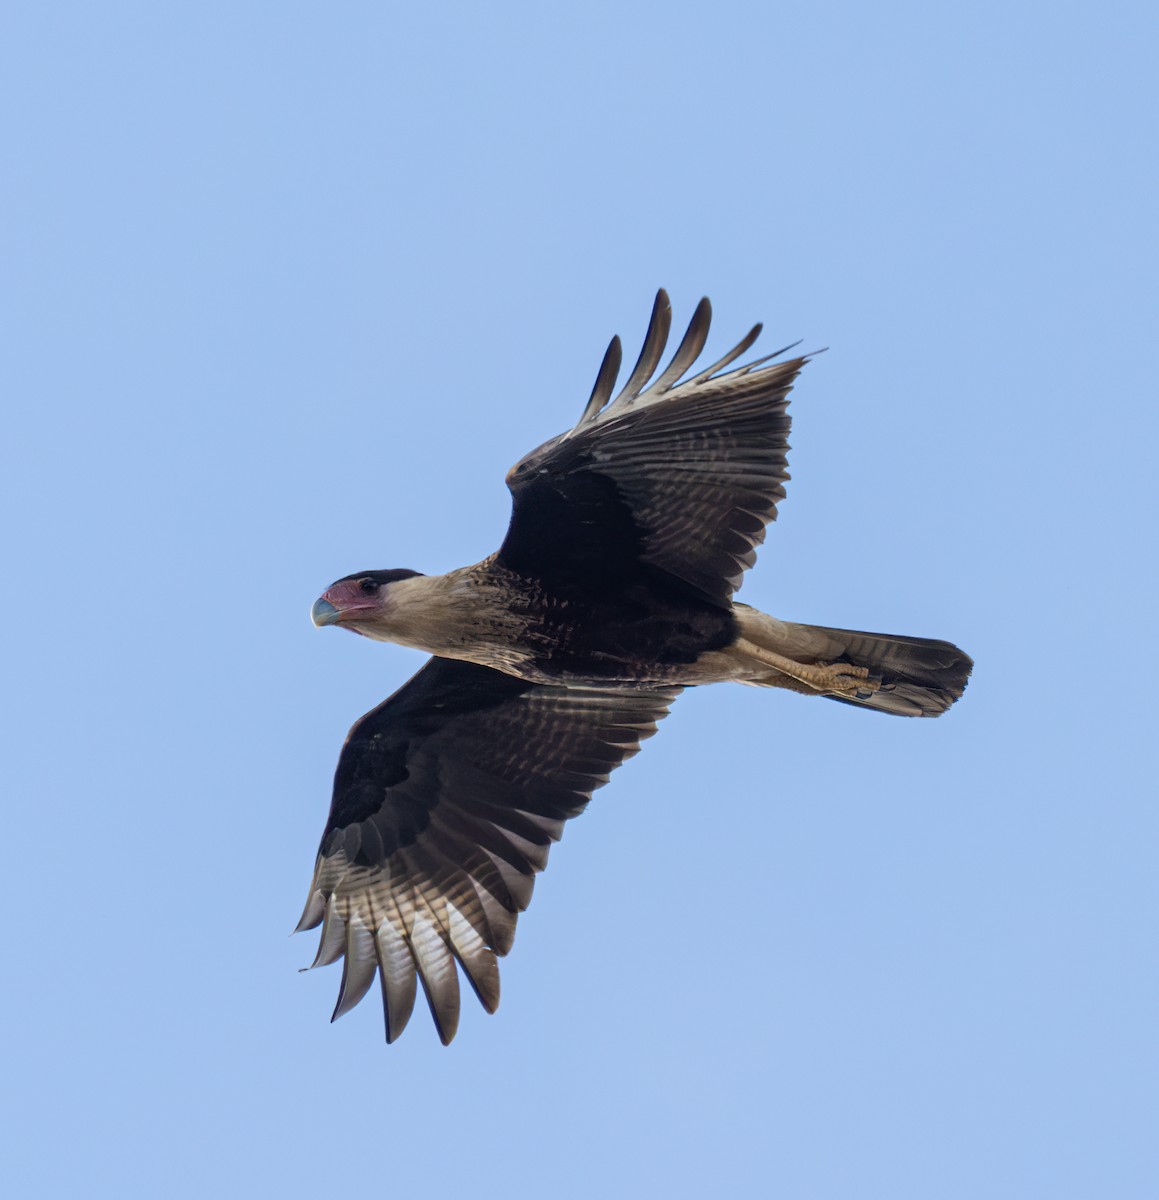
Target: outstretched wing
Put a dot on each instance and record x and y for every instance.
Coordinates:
(683, 477)
(446, 801)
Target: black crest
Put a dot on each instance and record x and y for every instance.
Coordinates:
(381, 577)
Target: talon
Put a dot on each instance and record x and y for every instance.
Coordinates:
(842, 679)
(850, 680)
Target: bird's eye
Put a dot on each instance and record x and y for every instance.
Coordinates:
(369, 586)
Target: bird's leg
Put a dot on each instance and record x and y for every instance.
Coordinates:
(771, 678)
(842, 679)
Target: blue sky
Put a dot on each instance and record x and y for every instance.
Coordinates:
(287, 289)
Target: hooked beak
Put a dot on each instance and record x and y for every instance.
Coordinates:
(324, 613)
(345, 604)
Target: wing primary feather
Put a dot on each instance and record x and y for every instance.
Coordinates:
(731, 356)
(477, 959)
(786, 349)
(437, 973)
(689, 349)
(519, 884)
(745, 370)
(314, 911)
(333, 940)
(358, 966)
(654, 342)
(396, 972)
(500, 920)
(749, 368)
(605, 381)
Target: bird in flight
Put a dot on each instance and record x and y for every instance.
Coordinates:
(555, 657)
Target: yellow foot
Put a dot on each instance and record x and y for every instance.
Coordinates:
(844, 679)
(838, 679)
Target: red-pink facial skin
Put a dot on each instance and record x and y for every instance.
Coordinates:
(349, 598)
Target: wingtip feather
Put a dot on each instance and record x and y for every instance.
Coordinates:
(735, 353)
(358, 967)
(313, 913)
(333, 939)
(689, 349)
(396, 974)
(659, 325)
(605, 381)
(437, 974)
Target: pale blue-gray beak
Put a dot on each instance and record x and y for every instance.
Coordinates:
(324, 613)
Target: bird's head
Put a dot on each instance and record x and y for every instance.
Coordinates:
(360, 602)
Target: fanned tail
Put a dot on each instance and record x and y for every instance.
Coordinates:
(905, 676)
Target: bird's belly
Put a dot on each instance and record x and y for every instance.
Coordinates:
(629, 646)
